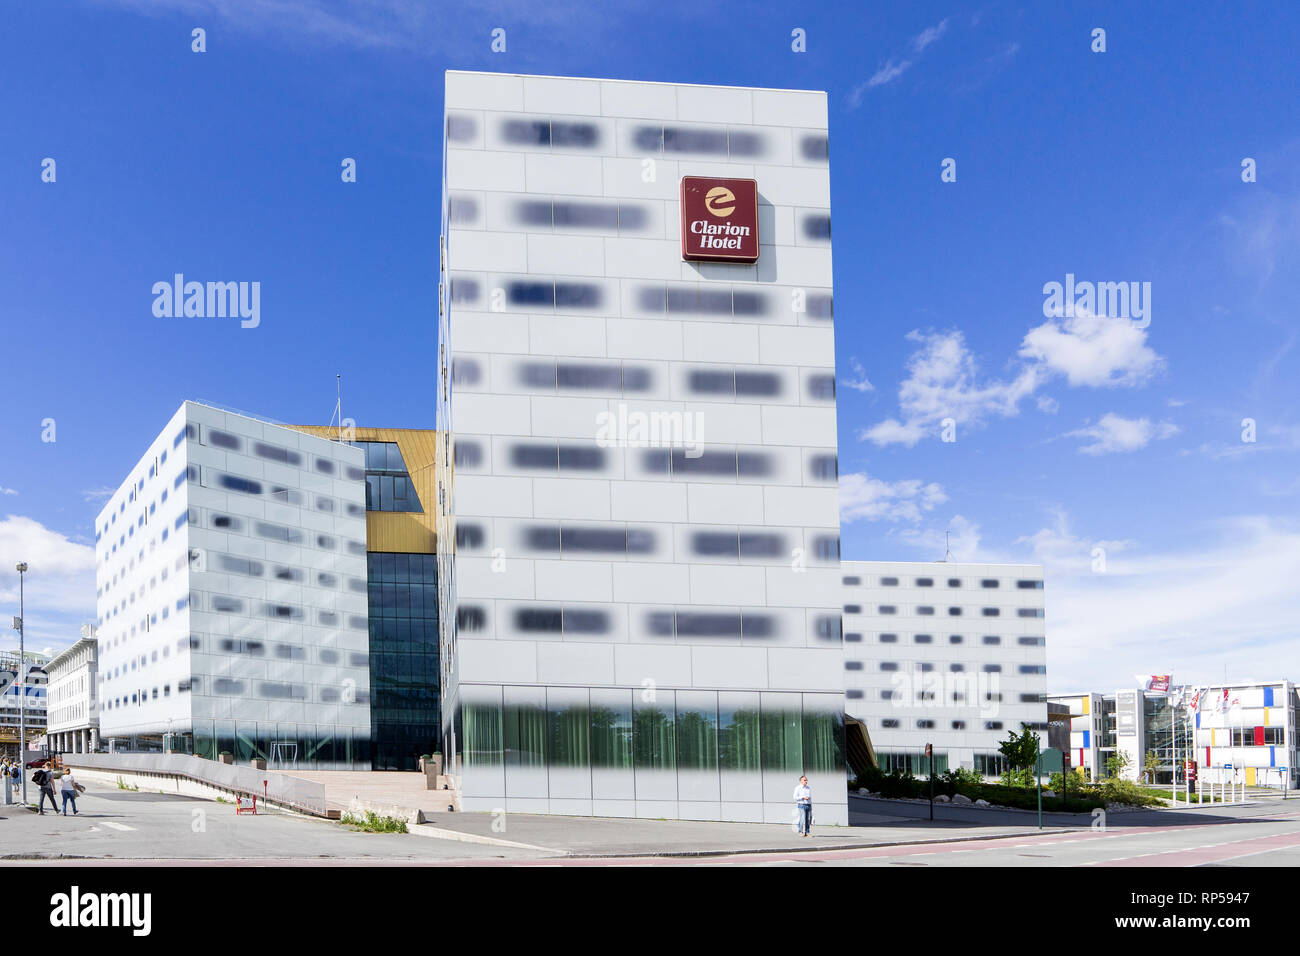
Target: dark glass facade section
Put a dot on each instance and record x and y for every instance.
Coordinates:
(404, 703)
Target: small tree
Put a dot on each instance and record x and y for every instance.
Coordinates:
(1021, 753)
(1151, 765)
(1116, 764)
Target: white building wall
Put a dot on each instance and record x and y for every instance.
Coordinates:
(917, 634)
(232, 582)
(567, 303)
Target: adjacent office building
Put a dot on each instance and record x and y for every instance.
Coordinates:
(232, 595)
(952, 655)
(1238, 732)
(73, 717)
(271, 591)
(638, 527)
(30, 707)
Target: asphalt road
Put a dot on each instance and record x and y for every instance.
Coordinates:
(117, 827)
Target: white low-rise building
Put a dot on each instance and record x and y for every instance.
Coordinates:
(952, 655)
(72, 708)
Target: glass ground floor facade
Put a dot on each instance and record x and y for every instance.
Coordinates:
(706, 754)
(404, 699)
(283, 746)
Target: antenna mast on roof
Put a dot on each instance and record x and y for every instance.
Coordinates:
(338, 405)
(947, 554)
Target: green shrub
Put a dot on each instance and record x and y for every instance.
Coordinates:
(374, 823)
(1128, 793)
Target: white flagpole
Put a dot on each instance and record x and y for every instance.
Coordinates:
(1173, 745)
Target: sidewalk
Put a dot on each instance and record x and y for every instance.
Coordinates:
(405, 789)
(604, 836)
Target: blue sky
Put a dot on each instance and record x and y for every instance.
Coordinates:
(1073, 434)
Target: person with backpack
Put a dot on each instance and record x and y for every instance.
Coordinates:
(44, 778)
(69, 789)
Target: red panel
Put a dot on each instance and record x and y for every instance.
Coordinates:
(1259, 736)
(1080, 756)
(1207, 756)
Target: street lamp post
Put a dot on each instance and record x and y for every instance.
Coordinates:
(22, 687)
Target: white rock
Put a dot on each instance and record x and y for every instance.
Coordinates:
(981, 802)
(941, 798)
(961, 800)
(1049, 795)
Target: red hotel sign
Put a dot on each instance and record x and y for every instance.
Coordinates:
(719, 219)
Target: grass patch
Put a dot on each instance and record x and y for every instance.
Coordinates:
(374, 823)
(123, 785)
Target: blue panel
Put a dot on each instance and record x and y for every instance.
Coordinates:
(1086, 735)
(1268, 697)
(1272, 757)
(1198, 721)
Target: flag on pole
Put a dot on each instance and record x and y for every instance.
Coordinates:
(1155, 683)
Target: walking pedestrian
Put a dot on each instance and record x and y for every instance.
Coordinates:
(69, 789)
(44, 778)
(803, 806)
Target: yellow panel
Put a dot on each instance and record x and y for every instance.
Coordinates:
(1250, 776)
(1087, 706)
(401, 531)
(1265, 716)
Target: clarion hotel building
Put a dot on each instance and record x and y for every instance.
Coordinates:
(638, 621)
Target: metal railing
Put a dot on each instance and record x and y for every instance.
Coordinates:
(280, 788)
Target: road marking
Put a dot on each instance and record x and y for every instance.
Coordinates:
(117, 826)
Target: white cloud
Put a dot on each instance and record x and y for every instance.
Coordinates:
(58, 588)
(1093, 350)
(893, 432)
(859, 382)
(929, 35)
(894, 68)
(943, 381)
(1230, 599)
(1113, 433)
(1047, 405)
(7, 491)
(865, 498)
(94, 495)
